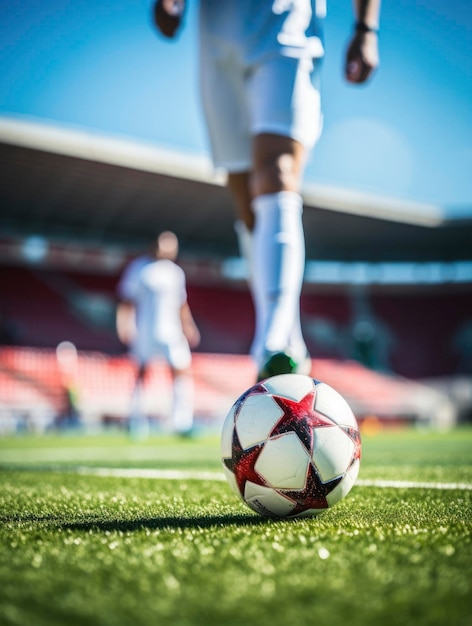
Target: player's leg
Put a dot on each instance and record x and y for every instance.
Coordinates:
(237, 110)
(279, 237)
(279, 253)
(239, 187)
(226, 108)
(264, 276)
(238, 184)
(138, 422)
(286, 123)
(179, 358)
(182, 401)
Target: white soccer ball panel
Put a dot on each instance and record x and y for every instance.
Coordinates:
(257, 417)
(330, 403)
(291, 386)
(332, 451)
(231, 478)
(266, 501)
(345, 486)
(226, 441)
(283, 462)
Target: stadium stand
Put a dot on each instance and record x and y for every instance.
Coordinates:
(416, 331)
(47, 307)
(425, 324)
(43, 313)
(32, 389)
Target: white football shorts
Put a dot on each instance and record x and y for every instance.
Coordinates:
(177, 353)
(245, 93)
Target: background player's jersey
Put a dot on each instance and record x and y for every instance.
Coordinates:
(128, 285)
(261, 27)
(158, 291)
(161, 294)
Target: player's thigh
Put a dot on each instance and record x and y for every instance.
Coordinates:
(284, 100)
(226, 112)
(278, 164)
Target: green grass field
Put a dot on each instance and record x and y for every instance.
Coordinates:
(82, 548)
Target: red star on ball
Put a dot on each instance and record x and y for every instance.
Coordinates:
(313, 495)
(242, 464)
(300, 417)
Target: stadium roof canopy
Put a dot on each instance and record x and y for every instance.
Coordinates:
(74, 185)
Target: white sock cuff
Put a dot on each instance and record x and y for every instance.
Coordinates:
(286, 200)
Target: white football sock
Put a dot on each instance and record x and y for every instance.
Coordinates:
(136, 400)
(138, 421)
(182, 405)
(279, 263)
(246, 249)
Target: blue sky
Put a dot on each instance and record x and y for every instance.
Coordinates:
(99, 65)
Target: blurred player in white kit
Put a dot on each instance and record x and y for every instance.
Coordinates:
(259, 78)
(154, 319)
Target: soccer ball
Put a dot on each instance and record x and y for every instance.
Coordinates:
(291, 447)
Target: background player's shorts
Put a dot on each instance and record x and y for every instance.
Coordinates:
(275, 95)
(176, 353)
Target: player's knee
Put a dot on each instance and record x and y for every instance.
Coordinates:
(275, 174)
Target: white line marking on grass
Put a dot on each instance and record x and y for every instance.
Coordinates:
(192, 475)
(410, 484)
(151, 473)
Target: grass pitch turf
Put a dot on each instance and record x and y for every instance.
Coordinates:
(104, 550)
